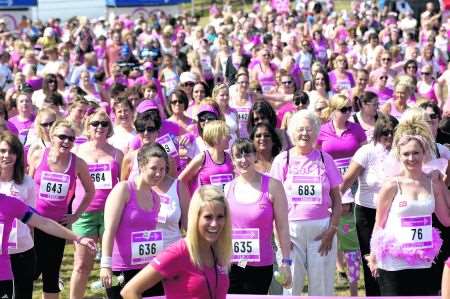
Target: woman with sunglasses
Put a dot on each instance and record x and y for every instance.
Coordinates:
(55, 171)
(49, 86)
(410, 68)
(427, 87)
(379, 86)
(124, 131)
(267, 145)
(177, 104)
(212, 166)
(340, 78)
(131, 238)
(257, 202)
(39, 137)
(103, 161)
(366, 166)
(311, 182)
(368, 112)
(339, 137)
(301, 102)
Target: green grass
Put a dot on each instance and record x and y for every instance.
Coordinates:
(66, 272)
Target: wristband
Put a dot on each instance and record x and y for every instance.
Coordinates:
(78, 240)
(287, 262)
(106, 262)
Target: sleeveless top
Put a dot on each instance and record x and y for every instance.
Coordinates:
(266, 79)
(427, 92)
(136, 241)
(411, 222)
(170, 214)
(54, 189)
(104, 175)
(212, 173)
(252, 226)
(341, 84)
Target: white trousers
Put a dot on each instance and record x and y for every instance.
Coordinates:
(306, 259)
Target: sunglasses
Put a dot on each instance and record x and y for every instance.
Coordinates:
(433, 116)
(51, 81)
(259, 135)
(266, 55)
(63, 137)
(371, 103)
(147, 130)
(425, 74)
(387, 133)
(385, 59)
(286, 82)
(383, 77)
(188, 84)
(412, 67)
(345, 110)
(174, 102)
(103, 124)
(47, 125)
(204, 118)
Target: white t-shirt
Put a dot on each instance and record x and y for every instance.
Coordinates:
(121, 139)
(21, 236)
(370, 156)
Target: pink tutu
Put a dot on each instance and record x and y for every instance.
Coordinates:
(384, 243)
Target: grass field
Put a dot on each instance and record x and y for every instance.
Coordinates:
(66, 272)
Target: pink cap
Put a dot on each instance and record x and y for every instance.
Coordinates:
(207, 108)
(148, 65)
(146, 105)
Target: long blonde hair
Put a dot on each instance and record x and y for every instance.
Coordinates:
(222, 247)
(338, 101)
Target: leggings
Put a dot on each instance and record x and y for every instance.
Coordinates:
(23, 267)
(434, 280)
(250, 280)
(365, 221)
(404, 282)
(6, 289)
(114, 292)
(353, 260)
(49, 256)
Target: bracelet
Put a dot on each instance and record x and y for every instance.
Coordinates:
(106, 262)
(78, 240)
(287, 261)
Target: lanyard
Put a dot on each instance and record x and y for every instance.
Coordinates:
(210, 292)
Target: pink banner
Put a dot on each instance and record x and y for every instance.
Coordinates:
(308, 297)
(280, 6)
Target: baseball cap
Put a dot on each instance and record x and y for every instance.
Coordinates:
(187, 77)
(146, 105)
(207, 108)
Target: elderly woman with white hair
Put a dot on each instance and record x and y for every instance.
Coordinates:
(311, 181)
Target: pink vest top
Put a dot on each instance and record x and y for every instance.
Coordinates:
(215, 174)
(54, 189)
(252, 222)
(136, 241)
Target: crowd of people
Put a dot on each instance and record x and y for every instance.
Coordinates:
(196, 160)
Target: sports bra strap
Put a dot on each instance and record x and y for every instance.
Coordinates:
(398, 185)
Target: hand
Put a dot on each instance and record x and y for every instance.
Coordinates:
(326, 238)
(285, 270)
(89, 243)
(185, 139)
(106, 277)
(372, 264)
(68, 219)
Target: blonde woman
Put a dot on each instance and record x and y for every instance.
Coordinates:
(404, 244)
(221, 96)
(55, 170)
(39, 137)
(103, 161)
(399, 103)
(196, 266)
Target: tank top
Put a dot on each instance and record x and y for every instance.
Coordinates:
(171, 80)
(252, 227)
(104, 175)
(136, 241)
(170, 214)
(243, 113)
(212, 173)
(338, 84)
(411, 222)
(54, 189)
(394, 112)
(266, 79)
(426, 91)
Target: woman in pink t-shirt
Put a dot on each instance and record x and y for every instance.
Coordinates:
(194, 267)
(311, 181)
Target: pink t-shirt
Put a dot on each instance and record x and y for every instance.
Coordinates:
(343, 146)
(307, 181)
(10, 208)
(182, 279)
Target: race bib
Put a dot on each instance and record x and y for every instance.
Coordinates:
(168, 145)
(266, 88)
(164, 209)
(101, 176)
(12, 242)
(246, 245)
(343, 85)
(145, 245)
(342, 164)
(416, 232)
(220, 179)
(54, 186)
(2, 227)
(243, 114)
(306, 189)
